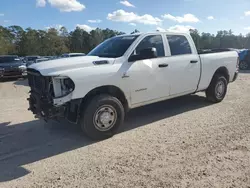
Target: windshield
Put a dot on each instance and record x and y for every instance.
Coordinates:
(9, 59)
(114, 47)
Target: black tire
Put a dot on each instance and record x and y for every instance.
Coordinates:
(89, 125)
(212, 91)
(243, 65)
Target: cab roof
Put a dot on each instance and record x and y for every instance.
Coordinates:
(158, 32)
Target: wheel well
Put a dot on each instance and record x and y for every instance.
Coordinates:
(223, 71)
(111, 90)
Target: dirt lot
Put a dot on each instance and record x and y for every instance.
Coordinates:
(185, 142)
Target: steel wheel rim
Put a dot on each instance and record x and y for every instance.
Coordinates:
(220, 89)
(243, 65)
(105, 118)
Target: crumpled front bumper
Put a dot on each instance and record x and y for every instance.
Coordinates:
(45, 105)
(43, 108)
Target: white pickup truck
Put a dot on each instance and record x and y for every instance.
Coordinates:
(125, 72)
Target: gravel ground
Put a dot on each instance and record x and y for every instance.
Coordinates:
(185, 142)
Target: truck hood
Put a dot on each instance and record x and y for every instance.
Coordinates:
(58, 66)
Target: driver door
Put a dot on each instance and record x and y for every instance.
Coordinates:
(148, 78)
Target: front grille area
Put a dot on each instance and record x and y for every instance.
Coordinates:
(41, 96)
(40, 84)
(36, 81)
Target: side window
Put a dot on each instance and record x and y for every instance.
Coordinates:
(179, 45)
(152, 41)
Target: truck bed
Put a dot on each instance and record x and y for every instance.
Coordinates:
(210, 63)
(215, 50)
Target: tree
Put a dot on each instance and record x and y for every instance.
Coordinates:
(79, 41)
(247, 41)
(16, 40)
(7, 39)
(17, 33)
(196, 37)
(64, 34)
(135, 31)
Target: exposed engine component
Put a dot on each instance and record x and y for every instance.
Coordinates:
(44, 90)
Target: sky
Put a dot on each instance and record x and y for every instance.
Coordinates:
(143, 15)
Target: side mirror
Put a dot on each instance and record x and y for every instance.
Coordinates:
(147, 53)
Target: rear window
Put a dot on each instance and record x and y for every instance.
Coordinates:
(179, 45)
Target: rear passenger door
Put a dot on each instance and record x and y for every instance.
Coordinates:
(184, 65)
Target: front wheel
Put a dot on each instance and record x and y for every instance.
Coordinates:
(217, 89)
(102, 117)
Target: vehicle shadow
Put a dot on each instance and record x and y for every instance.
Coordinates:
(158, 111)
(28, 142)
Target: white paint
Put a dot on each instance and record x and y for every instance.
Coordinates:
(145, 82)
(148, 63)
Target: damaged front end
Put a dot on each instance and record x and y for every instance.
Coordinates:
(50, 97)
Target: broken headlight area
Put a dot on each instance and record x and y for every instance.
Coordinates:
(45, 90)
(62, 86)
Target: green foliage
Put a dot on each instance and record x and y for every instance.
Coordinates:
(223, 39)
(16, 40)
(6, 41)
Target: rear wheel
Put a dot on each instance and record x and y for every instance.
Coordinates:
(217, 89)
(243, 65)
(102, 117)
